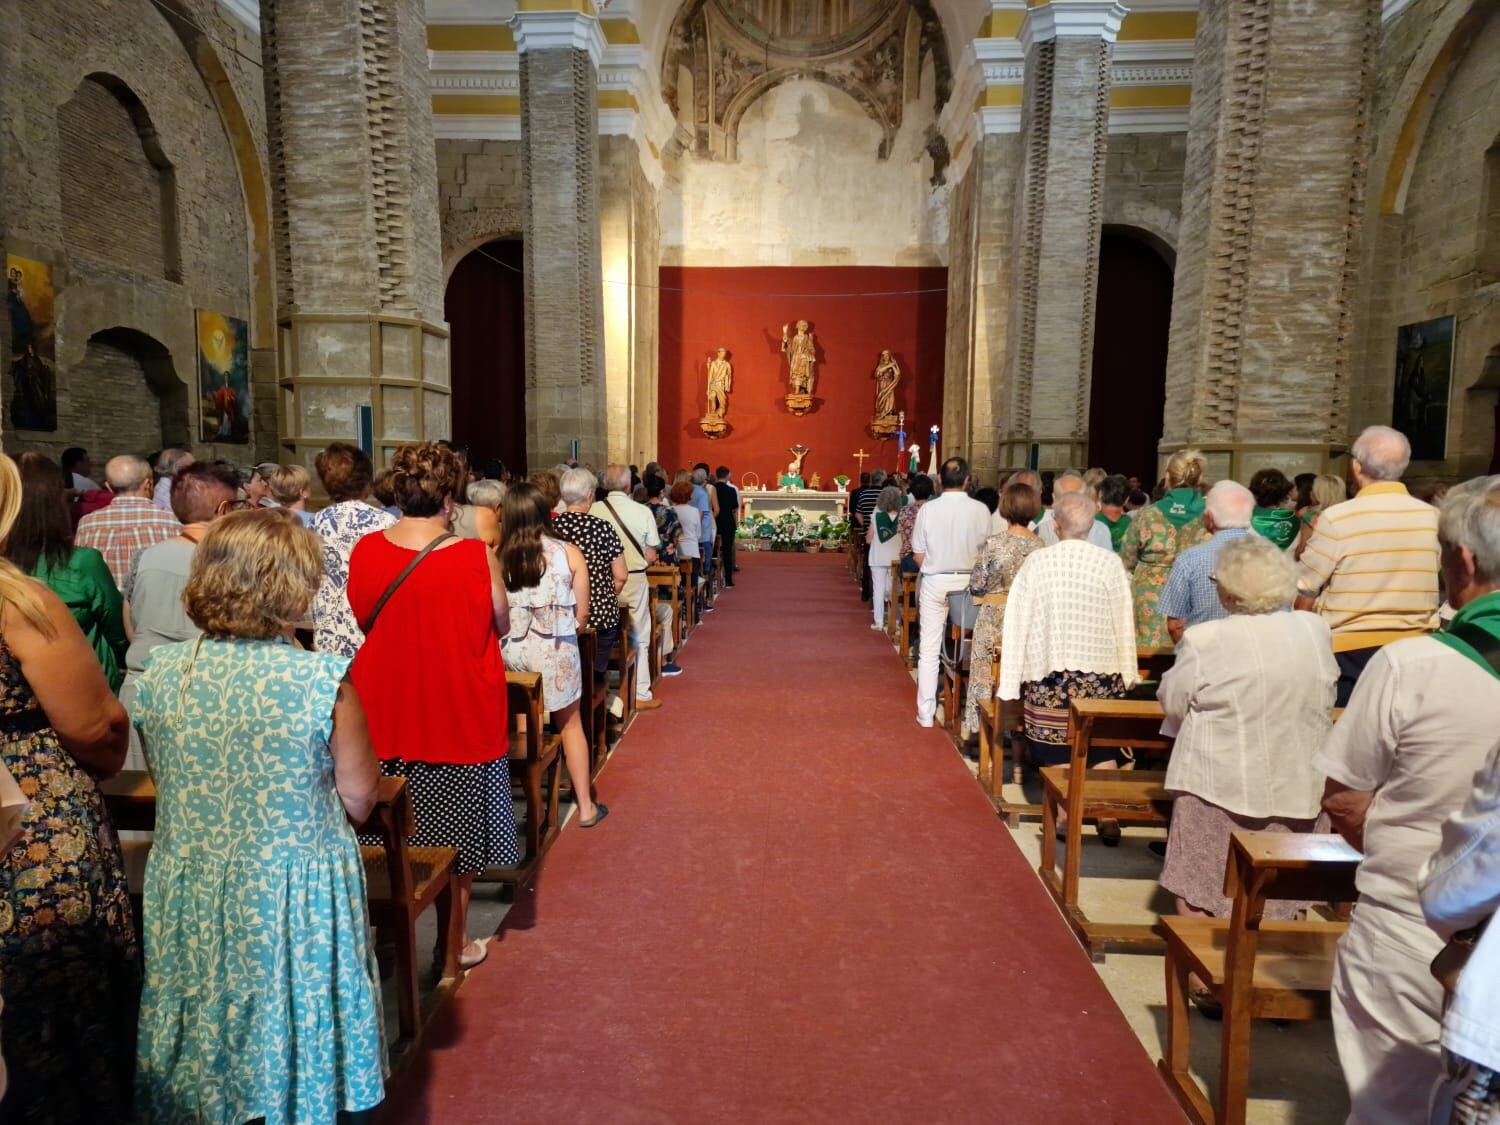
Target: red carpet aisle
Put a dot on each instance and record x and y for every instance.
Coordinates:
(800, 909)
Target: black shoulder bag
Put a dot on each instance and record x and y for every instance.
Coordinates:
(369, 622)
(621, 522)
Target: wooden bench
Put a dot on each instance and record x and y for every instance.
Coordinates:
(692, 599)
(892, 602)
(1134, 797)
(402, 882)
(623, 661)
(666, 585)
(953, 663)
(1254, 968)
(907, 618)
(594, 701)
(536, 755)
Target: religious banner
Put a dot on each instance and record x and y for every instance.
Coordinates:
(29, 301)
(1424, 375)
(223, 378)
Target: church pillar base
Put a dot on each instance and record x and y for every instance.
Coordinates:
(1045, 454)
(1241, 460)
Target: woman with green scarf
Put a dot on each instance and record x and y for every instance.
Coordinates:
(1156, 536)
(885, 549)
(1274, 519)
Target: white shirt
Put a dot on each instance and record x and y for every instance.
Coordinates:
(1422, 720)
(641, 521)
(1248, 699)
(82, 483)
(1069, 610)
(1461, 889)
(950, 532)
(1046, 531)
(161, 495)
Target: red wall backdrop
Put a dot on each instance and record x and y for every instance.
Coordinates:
(743, 310)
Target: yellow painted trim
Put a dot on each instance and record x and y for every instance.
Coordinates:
(1001, 25)
(1160, 25)
(584, 6)
(1150, 97)
(483, 105)
(470, 37)
(1000, 96)
(620, 32)
(617, 99)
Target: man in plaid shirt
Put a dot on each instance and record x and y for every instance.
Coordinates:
(131, 522)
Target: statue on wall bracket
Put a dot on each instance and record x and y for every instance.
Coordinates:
(887, 375)
(802, 356)
(720, 383)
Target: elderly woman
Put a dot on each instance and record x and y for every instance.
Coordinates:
(920, 491)
(1275, 517)
(1248, 699)
(348, 477)
(884, 538)
(994, 573)
(1327, 490)
(255, 885)
(433, 608)
(290, 487)
(480, 517)
(1068, 634)
(668, 526)
(1156, 536)
(603, 554)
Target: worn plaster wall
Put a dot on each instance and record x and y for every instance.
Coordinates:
(1143, 184)
(62, 127)
(479, 194)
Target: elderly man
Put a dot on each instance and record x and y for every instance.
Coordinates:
(948, 536)
(602, 551)
(636, 526)
(131, 522)
(1371, 565)
(1189, 597)
(1070, 483)
(168, 461)
(1424, 717)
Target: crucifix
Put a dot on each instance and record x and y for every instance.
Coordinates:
(861, 457)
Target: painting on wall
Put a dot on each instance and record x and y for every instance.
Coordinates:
(29, 302)
(1424, 376)
(223, 378)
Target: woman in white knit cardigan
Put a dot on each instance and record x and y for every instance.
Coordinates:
(1069, 634)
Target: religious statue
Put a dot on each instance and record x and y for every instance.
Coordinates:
(801, 356)
(720, 383)
(932, 454)
(887, 375)
(792, 478)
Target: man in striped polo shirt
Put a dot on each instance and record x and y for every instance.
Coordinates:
(1371, 566)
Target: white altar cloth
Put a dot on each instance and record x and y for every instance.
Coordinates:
(772, 502)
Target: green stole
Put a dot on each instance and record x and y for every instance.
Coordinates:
(1481, 616)
(1117, 528)
(1181, 506)
(885, 527)
(1279, 525)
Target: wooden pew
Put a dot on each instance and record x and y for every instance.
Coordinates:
(1254, 968)
(1136, 797)
(536, 755)
(893, 603)
(594, 702)
(691, 599)
(906, 625)
(623, 661)
(666, 585)
(953, 662)
(402, 882)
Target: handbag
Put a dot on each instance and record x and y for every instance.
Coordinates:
(621, 522)
(369, 622)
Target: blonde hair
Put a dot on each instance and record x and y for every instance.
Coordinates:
(289, 483)
(1185, 469)
(15, 588)
(1328, 490)
(253, 575)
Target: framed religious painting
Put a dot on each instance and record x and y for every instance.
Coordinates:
(223, 378)
(29, 304)
(1424, 382)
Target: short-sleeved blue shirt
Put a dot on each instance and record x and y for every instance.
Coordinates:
(1190, 593)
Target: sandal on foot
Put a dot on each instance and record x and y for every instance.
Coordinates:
(601, 810)
(1109, 833)
(474, 953)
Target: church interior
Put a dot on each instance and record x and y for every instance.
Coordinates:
(806, 240)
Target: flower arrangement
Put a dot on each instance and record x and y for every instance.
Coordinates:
(842, 480)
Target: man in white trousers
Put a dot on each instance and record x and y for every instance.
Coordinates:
(638, 535)
(948, 535)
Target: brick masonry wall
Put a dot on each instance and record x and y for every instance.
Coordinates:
(131, 423)
(1143, 175)
(479, 194)
(46, 53)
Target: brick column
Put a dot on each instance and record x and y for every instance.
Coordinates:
(358, 248)
(1258, 368)
(560, 54)
(1059, 205)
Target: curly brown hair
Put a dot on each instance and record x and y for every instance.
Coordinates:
(423, 476)
(253, 575)
(346, 472)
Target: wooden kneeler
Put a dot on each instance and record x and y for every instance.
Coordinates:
(1254, 968)
(402, 882)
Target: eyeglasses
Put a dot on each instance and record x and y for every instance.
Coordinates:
(232, 506)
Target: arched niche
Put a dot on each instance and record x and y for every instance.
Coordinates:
(484, 304)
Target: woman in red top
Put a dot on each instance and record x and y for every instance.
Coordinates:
(430, 670)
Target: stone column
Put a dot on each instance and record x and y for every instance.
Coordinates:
(560, 54)
(1059, 205)
(354, 184)
(1259, 362)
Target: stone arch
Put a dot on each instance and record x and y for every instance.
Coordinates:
(466, 231)
(1146, 222)
(763, 85)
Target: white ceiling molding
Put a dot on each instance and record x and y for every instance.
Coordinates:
(1068, 19)
(475, 127)
(1154, 51)
(1151, 119)
(1000, 119)
(1161, 5)
(475, 72)
(551, 31)
(1151, 74)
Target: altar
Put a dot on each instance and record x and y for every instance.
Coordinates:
(772, 502)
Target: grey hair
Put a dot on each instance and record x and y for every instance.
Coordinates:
(1231, 504)
(486, 494)
(1073, 514)
(700, 476)
(1254, 576)
(126, 472)
(1471, 518)
(616, 478)
(878, 477)
(1068, 481)
(579, 485)
(891, 499)
(1383, 453)
(1027, 476)
(169, 458)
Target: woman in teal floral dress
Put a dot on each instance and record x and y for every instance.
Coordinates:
(1154, 539)
(69, 963)
(262, 997)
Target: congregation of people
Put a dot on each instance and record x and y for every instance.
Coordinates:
(1281, 603)
(268, 658)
